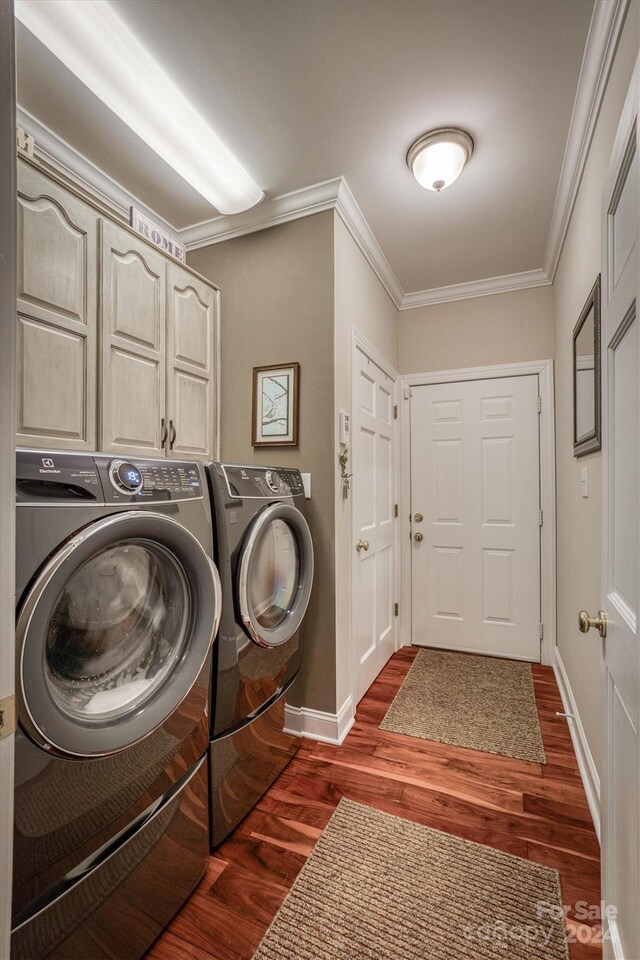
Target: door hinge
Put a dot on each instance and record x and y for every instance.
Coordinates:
(395, 510)
(539, 404)
(395, 609)
(7, 716)
(541, 517)
(541, 632)
(395, 411)
(406, 393)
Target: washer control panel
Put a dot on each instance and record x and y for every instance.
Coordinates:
(50, 477)
(125, 477)
(262, 483)
(149, 480)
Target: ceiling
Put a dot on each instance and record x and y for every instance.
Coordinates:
(307, 90)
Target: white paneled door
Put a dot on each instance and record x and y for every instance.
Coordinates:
(621, 542)
(374, 520)
(475, 516)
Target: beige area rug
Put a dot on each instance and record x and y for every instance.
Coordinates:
(483, 703)
(378, 887)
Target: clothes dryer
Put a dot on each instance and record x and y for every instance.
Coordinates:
(118, 606)
(264, 552)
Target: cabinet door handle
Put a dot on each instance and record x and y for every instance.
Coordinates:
(164, 433)
(174, 434)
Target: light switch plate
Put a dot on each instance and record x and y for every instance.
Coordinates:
(584, 481)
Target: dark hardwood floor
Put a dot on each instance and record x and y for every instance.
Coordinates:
(535, 811)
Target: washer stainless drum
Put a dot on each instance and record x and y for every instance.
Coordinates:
(118, 606)
(265, 555)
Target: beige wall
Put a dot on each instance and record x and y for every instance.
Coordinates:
(504, 328)
(579, 520)
(362, 302)
(277, 307)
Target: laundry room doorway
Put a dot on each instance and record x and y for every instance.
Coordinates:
(479, 489)
(374, 512)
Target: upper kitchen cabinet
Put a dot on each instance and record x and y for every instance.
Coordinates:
(191, 401)
(134, 375)
(57, 320)
(133, 367)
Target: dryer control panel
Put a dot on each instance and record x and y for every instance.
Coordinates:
(262, 483)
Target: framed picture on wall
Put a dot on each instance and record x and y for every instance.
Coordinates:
(275, 405)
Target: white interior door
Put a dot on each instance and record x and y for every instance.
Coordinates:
(374, 520)
(621, 541)
(475, 511)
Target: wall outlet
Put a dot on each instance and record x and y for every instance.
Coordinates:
(584, 481)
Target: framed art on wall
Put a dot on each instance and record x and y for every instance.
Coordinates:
(275, 405)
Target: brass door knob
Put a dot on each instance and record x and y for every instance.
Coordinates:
(418, 537)
(585, 622)
(418, 517)
(362, 545)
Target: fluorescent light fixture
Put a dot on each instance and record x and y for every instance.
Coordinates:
(99, 48)
(436, 159)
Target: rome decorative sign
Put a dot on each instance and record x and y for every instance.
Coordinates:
(25, 142)
(156, 235)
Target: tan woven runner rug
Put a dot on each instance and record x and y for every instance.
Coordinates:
(484, 703)
(378, 887)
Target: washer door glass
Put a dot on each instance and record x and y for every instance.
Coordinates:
(116, 630)
(275, 575)
(114, 633)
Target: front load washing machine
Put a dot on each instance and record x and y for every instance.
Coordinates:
(264, 553)
(118, 607)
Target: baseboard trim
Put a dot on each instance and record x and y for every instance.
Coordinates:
(318, 725)
(587, 767)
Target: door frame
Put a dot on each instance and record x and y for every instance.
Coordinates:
(7, 451)
(360, 342)
(543, 369)
(629, 118)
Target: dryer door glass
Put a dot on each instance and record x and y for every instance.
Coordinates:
(275, 575)
(117, 629)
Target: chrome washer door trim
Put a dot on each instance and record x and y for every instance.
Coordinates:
(46, 724)
(294, 519)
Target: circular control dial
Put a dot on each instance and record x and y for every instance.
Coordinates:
(273, 481)
(125, 477)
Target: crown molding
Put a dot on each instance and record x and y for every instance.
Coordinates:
(355, 222)
(605, 28)
(475, 288)
(68, 164)
(332, 194)
(288, 206)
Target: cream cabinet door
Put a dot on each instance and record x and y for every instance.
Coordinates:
(133, 344)
(191, 324)
(57, 320)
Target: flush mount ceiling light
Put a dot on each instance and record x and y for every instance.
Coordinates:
(436, 158)
(99, 48)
